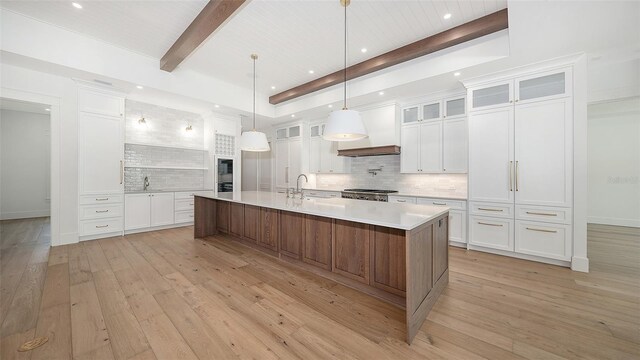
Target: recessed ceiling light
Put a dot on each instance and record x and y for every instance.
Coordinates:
(456, 74)
(139, 87)
(311, 71)
(381, 93)
(216, 106)
(76, 5)
(293, 115)
(47, 109)
(273, 87)
(364, 50)
(330, 105)
(447, 16)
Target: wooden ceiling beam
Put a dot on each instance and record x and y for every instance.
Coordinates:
(212, 17)
(468, 31)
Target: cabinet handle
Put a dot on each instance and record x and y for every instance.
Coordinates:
(487, 209)
(102, 199)
(190, 203)
(542, 230)
(101, 226)
(121, 171)
(401, 200)
(510, 175)
(435, 203)
(539, 213)
(517, 168)
(484, 223)
(101, 211)
(190, 215)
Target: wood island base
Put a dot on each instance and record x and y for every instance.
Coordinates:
(407, 268)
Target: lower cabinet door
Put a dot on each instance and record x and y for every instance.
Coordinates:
(457, 226)
(184, 216)
(222, 216)
(137, 211)
(269, 229)
(440, 248)
(495, 233)
(351, 251)
(236, 219)
(553, 241)
(251, 222)
(317, 241)
(389, 255)
(291, 233)
(162, 212)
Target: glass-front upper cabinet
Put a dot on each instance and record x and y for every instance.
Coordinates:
(411, 114)
(294, 131)
(431, 111)
(493, 95)
(454, 107)
(281, 134)
(544, 86)
(315, 131)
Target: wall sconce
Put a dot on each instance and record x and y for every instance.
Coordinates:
(188, 128)
(142, 121)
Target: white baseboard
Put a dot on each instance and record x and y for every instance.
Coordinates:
(613, 221)
(164, 227)
(580, 264)
(66, 239)
(24, 214)
(520, 256)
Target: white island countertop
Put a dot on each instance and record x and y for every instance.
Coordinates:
(392, 215)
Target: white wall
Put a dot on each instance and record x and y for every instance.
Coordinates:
(614, 162)
(25, 165)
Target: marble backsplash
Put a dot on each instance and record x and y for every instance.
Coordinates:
(390, 178)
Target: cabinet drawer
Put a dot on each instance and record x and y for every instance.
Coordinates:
(101, 199)
(551, 241)
(491, 209)
(544, 214)
(453, 204)
(491, 232)
(184, 216)
(185, 194)
(100, 226)
(184, 204)
(100, 211)
(323, 194)
(402, 199)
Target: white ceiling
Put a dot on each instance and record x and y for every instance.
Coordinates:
(23, 106)
(146, 27)
(293, 37)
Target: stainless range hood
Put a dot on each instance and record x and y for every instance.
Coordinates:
(371, 151)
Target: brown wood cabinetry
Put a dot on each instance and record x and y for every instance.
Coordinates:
(316, 249)
(222, 216)
(269, 224)
(291, 233)
(388, 259)
(236, 219)
(351, 250)
(251, 222)
(408, 268)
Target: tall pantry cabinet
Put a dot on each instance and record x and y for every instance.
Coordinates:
(520, 165)
(100, 162)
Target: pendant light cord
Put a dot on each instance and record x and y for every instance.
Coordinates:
(345, 56)
(254, 92)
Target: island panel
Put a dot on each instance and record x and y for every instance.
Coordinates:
(236, 220)
(223, 216)
(317, 244)
(269, 225)
(388, 260)
(291, 233)
(251, 223)
(351, 254)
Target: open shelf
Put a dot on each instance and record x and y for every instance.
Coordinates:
(166, 167)
(167, 147)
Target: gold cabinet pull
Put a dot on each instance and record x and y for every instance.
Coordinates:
(487, 209)
(435, 203)
(121, 171)
(102, 199)
(510, 175)
(101, 211)
(517, 168)
(542, 230)
(484, 223)
(101, 226)
(539, 213)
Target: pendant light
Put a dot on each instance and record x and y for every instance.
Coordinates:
(254, 140)
(345, 124)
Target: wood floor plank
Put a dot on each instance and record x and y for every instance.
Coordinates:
(23, 312)
(90, 335)
(141, 301)
(165, 340)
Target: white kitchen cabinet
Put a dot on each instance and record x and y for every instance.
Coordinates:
(455, 107)
(454, 145)
(543, 153)
(491, 155)
(288, 154)
(323, 154)
(137, 211)
(324, 194)
(458, 226)
(147, 210)
(282, 163)
(520, 165)
(410, 154)
(411, 114)
(432, 111)
(383, 128)
(401, 199)
(314, 155)
(430, 158)
(100, 162)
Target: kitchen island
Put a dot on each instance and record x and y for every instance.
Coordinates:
(396, 252)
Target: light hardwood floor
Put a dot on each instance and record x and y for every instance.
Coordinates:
(163, 295)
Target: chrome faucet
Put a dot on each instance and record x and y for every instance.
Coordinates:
(146, 183)
(298, 190)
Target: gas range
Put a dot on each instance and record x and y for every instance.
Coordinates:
(367, 194)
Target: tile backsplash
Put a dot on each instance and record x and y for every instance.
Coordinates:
(143, 155)
(390, 178)
(163, 179)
